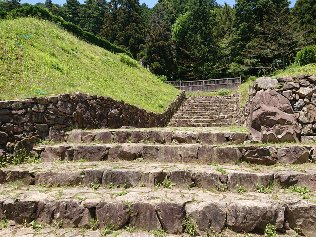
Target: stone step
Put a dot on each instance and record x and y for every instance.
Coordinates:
(41, 230)
(183, 123)
(49, 231)
(211, 100)
(203, 117)
(205, 121)
(172, 210)
(187, 153)
(207, 112)
(143, 174)
(161, 135)
(210, 105)
(197, 125)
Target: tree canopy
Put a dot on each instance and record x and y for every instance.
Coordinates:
(196, 39)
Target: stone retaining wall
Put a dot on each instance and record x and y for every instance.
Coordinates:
(301, 92)
(40, 118)
(284, 105)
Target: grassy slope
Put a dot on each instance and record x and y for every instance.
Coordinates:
(38, 58)
(294, 70)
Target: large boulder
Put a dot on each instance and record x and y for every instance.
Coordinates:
(272, 118)
(266, 83)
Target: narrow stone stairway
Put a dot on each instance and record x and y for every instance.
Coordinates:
(207, 111)
(161, 182)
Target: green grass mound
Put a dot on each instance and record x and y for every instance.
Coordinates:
(296, 70)
(38, 58)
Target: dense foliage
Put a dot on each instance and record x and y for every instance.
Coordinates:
(306, 55)
(194, 39)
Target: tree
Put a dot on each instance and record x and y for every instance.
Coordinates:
(123, 25)
(263, 34)
(92, 15)
(304, 13)
(196, 44)
(225, 18)
(71, 10)
(159, 48)
(9, 5)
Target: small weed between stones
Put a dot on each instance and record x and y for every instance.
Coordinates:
(270, 231)
(57, 223)
(159, 233)
(189, 227)
(94, 223)
(265, 189)
(36, 226)
(110, 186)
(95, 186)
(241, 189)
(20, 157)
(303, 191)
(166, 183)
(221, 170)
(222, 187)
(130, 229)
(122, 193)
(4, 223)
(107, 230)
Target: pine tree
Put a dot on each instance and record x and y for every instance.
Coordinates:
(71, 11)
(197, 49)
(304, 13)
(264, 35)
(159, 48)
(123, 25)
(92, 15)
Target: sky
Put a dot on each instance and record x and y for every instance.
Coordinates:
(150, 3)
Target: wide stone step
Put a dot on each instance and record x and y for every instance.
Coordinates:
(40, 230)
(212, 99)
(187, 153)
(200, 105)
(205, 121)
(207, 111)
(188, 123)
(203, 117)
(172, 210)
(161, 136)
(143, 174)
(197, 125)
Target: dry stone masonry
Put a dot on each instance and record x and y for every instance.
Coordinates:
(23, 122)
(166, 179)
(283, 109)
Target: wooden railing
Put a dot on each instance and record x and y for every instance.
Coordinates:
(207, 85)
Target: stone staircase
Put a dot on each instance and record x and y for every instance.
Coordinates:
(159, 182)
(207, 111)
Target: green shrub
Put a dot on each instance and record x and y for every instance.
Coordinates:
(306, 55)
(19, 157)
(224, 92)
(270, 231)
(128, 60)
(163, 78)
